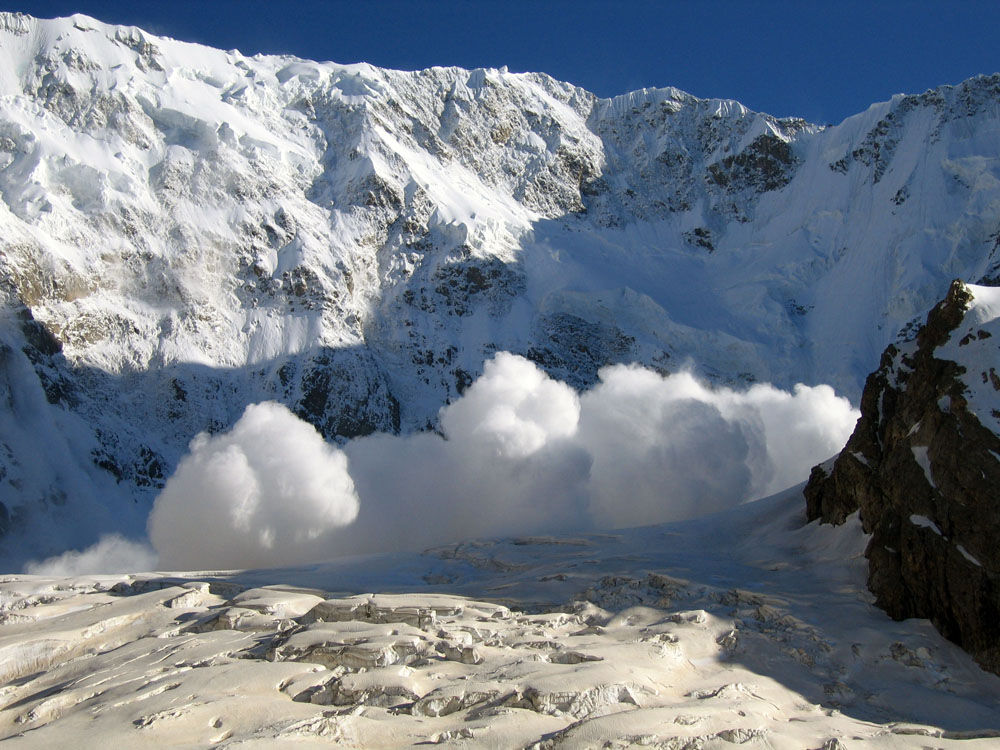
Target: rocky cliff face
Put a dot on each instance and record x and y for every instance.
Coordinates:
(923, 468)
(187, 230)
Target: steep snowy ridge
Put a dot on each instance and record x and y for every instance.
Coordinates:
(187, 230)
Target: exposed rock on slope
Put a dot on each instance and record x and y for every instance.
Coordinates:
(923, 467)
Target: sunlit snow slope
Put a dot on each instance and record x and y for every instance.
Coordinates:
(186, 231)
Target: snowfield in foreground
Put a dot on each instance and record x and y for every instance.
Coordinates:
(746, 629)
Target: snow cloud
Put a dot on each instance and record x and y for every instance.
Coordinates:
(507, 463)
(513, 410)
(266, 493)
(112, 554)
(518, 453)
(669, 447)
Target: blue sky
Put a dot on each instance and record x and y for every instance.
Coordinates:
(820, 60)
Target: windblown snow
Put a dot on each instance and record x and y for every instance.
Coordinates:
(265, 493)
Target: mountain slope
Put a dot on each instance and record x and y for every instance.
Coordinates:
(188, 230)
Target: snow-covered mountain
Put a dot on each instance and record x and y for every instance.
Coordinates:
(186, 231)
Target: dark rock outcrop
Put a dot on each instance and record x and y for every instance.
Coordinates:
(923, 468)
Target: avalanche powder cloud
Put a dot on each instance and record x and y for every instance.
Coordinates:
(113, 553)
(668, 448)
(507, 463)
(518, 453)
(266, 493)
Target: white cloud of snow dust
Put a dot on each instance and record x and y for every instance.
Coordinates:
(670, 448)
(519, 453)
(266, 493)
(507, 463)
(513, 410)
(112, 554)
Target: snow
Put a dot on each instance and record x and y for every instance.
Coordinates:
(265, 493)
(202, 231)
(925, 523)
(189, 220)
(986, 303)
(965, 553)
(973, 345)
(920, 456)
(747, 627)
(518, 453)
